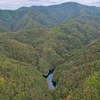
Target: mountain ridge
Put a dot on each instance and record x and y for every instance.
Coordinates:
(65, 38)
(41, 17)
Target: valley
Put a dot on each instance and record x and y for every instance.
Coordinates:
(58, 44)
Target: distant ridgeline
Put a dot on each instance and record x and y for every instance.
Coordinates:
(47, 16)
(35, 40)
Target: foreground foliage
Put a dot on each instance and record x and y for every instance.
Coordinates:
(80, 74)
(20, 81)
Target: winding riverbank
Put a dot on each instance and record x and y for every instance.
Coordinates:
(50, 83)
(48, 77)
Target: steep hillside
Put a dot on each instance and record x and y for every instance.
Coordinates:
(47, 48)
(44, 17)
(21, 81)
(45, 38)
(80, 74)
(20, 48)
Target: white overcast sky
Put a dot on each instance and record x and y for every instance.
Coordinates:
(14, 4)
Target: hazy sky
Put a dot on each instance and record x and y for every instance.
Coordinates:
(14, 4)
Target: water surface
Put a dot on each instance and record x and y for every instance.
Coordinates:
(50, 83)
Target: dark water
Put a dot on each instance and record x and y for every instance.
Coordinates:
(50, 83)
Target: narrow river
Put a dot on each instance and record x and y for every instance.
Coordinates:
(49, 81)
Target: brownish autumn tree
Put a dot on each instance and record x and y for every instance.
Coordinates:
(68, 97)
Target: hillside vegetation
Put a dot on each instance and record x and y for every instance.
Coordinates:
(80, 74)
(47, 48)
(43, 17)
(21, 81)
(36, 39)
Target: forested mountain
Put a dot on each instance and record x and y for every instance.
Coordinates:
(80, 74)
(42, 16)
(34, 40)
(21, 81)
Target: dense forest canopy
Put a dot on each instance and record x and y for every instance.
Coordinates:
(63, 37)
